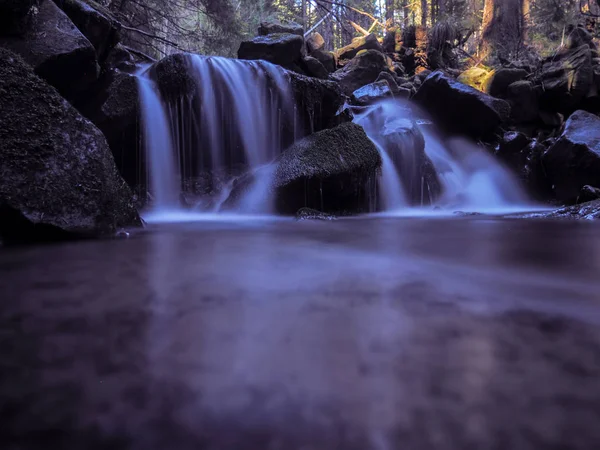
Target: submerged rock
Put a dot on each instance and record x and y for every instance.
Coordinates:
(95, 22)
(333, 171)
(360, 71)
(459, 108)
(585, 211)
(313, 214)
(574, 160)
(283, 49)
(57, 50)
(59, 178)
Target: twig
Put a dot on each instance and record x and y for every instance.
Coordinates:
(358, 28)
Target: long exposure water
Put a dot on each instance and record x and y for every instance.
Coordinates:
(375, 333)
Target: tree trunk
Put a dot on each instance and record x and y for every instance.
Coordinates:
(406, 12)
(424, 13)
(389, 12)
(503, 29)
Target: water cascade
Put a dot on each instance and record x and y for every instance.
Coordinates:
(420, 169)
(238, 116)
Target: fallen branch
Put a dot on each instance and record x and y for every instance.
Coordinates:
(358, 28)
(317, 24)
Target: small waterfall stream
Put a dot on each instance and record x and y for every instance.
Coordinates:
(241, 115)
(469, 178)
(235, 121)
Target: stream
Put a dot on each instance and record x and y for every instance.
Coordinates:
(367, 333)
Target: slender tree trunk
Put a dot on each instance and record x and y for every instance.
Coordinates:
(406, 12)
(304, 14)
(424, 13)
(389, 11)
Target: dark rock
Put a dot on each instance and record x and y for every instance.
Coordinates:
(523, 100)
(315, 42)
(113, 107)
(585, 211)
(95, 22)
(409, 61)
(326, 58)
(588, 194)
(465, 110)
(333, 171)
(574, 160)
(313, 214)
(513, 151)
(358, 44)
(14, 15)
(392, 42)
(59, 178)
(314, 68)
(121, 59)
(319, 101)
(362, 70)
(57, 50)
(577, 37)
(497, 84)
(273, 27)
(391, 81)
(372, 93)
(282, 49)
(552, 119)
(566, 79)
(173, 76)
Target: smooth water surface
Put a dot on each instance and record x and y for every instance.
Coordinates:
(374, 333)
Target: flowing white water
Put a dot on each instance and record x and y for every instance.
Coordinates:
(164, 182)
(235, 120)
(470, 178)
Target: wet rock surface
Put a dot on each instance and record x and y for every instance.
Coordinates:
(59, 177)
(574, 160)
(361, 70)
(332, 171)
(282, 49)
(467, 111)
(352, 334)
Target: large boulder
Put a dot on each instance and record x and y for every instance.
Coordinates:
(461, 109)
(574, 160)
(14, 15)
(566, 79)
(360, 71)
(57, 50)
(326, 58)
(113, 106)
(283, 49)
(95, 22)
(358, 44)
(275, 27)
(59, 178)
(314, 68)
(319, 102)
(523, 99)
(333, 171)
(498, 82)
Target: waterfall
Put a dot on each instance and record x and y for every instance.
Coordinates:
(159, 147)
(239, 117)
(416, 163)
